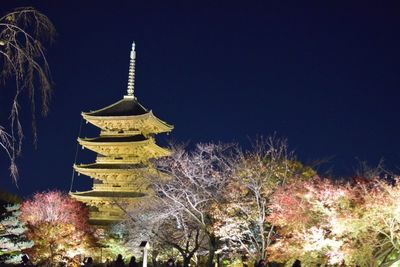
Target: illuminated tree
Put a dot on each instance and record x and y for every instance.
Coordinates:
(185, 236)
(22, 59)
(166, 227)
(114, 241)
(241, 217)
(322, 222)
(57, 225)
(197, 179)
(382, 216)
(304, 213)
(12, 235)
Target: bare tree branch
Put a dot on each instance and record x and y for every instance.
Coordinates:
(22, 58)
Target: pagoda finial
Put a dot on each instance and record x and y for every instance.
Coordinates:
(131, 77)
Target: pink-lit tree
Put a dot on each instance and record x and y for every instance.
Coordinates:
(240, 219)
(57, 225)
(323, 222)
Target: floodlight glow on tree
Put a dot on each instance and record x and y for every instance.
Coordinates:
(339, 223)
(57, 224)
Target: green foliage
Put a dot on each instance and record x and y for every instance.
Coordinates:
(7, 197)
(12, 235)
(115, 241)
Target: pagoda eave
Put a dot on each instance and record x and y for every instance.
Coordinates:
(103, 222)
(130, 177)
(93, 198)
(87, 142)
(147, 148)
(109, 168)
(146, 123)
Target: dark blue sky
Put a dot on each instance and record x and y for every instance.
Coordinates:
(324, 75)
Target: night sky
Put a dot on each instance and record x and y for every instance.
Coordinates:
(324, 75)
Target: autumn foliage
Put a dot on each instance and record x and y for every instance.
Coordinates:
(240, 218)
(334, 223)
(57, 225)
(244, 206)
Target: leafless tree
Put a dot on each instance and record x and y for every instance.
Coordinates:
(165, 227)
(370, 172)
(183, 235)
(223, 192)
(197, 181)
(141, 221)
(24, 67)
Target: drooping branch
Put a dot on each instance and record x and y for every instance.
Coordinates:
(23, 63)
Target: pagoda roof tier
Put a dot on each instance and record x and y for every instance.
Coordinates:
(117, 147)
(94, 198)
(103, 222)
(109, 194)
(109, 198)
(117, 139)
(124, 107)
(114, 172)
(110, 167)
(127, 115)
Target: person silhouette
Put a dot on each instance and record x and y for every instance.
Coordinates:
(261, 263)
(297, 263)
(25, 261)
(119, 262)
(88, 262)
(132, 262)
(108, 263)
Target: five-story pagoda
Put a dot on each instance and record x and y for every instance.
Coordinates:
(124, 148)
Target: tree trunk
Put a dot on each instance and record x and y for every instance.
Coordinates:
(386, 256)
(51, 254)
(212, 247)
(263, 252)
(186, 261)
(154, 255)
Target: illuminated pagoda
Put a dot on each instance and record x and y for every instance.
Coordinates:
(124, 148)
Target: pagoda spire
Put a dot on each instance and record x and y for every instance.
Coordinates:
(131, 76)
